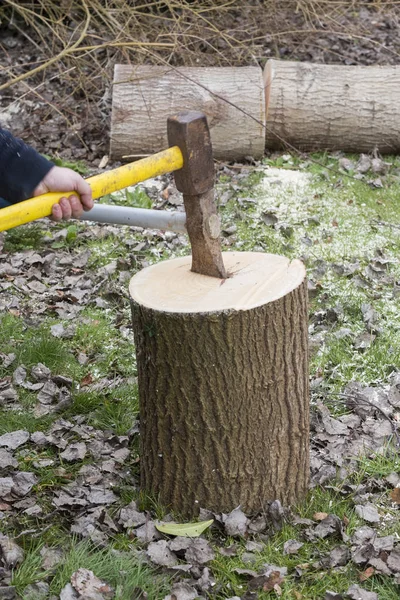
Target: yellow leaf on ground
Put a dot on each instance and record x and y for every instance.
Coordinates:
(184, 529)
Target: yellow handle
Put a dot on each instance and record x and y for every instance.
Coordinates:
(106, 183)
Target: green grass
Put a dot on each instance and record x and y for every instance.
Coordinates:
(12, 421)
(110, 354)
(76, 165)
(41, 347)
(24, 238)
(379, 464)
(135, 197)
(124, 571)
(33, 345)
(115, 410)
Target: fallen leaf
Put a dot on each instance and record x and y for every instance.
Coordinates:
(357, 593)
(235, 523)
(146, 533)
(366, 574)
(319, 516)
(380, 566)
(393, 561)
(14, 439)
(329, 595)
(36, 591)
(51, 557)
(395, 495)
(89, 586)
(269, 218)
(199, 552)
(247, 572)
(8, 592)
(130, 517)
(182, 591)
(68, 593)
(23, 482)
(367, 512)
(292, 547)
(7, 459)
(87, 380)
(11, 553)
(184, 529)
(266, 582)
(74, 452)
(160, 554)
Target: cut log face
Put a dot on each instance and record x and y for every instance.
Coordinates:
(232, 98)
(223, 382)
(254, 279)
(333, 107)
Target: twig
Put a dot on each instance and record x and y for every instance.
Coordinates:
(56, 58)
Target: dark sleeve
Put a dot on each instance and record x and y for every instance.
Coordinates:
(21, 168)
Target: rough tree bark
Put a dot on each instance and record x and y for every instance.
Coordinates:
(318, 107)
(231, 97)
(223, 383)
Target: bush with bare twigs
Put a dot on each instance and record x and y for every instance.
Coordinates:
(86, 37)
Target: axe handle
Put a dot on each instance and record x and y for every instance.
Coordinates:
(105, 183)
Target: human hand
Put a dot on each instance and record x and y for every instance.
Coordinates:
(61, 179)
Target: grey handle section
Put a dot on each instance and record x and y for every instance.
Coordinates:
(138, 217)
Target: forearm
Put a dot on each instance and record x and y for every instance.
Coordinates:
(21, 168)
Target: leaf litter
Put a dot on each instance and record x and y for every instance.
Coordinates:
(61, 282)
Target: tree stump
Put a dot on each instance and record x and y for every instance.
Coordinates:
(231, 97)
(223, 382)
(332, 107)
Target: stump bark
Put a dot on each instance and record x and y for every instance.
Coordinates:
(223, 383)
(332, 107)
(232, 98)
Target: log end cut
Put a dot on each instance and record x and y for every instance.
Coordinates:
(254, 279)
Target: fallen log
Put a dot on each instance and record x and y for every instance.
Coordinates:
(332, 107)
(231, 97)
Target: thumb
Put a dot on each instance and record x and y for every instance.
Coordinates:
(40, 189)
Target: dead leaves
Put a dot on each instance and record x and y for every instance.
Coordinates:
(267, 583)
(11, 554)
(88, 498)
(161, 555)
(196, 551)
(85, 584)
(14, 440)
(368, 513)
(395, 495)
(235, 523)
